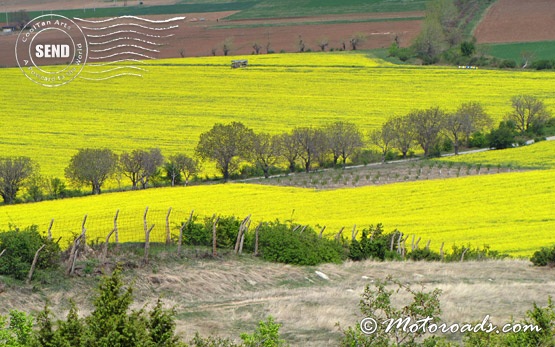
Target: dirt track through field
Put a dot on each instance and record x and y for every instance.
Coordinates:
(518, 21)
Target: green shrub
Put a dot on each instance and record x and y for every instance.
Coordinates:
(20, 247)
(424, 254)
(283, 243)
(545, 256)
(373, 244)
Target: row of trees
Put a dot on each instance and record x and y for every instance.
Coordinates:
(233, 146)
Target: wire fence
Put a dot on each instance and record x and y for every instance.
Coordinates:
(130, 226)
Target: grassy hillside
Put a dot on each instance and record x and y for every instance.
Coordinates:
(176, 100)
(508, 211)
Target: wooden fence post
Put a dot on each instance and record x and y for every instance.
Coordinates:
(116, 229)
(354, 233)
(215, 237)
(50, 229)
(256, 239)
(338, 235)
(168, 234)
(240, 233)
(147, 243)
(73, 254)
(180, 241)
(322, 231)
(84, 231)
(463, 253)
(441, 254)
(34, 264)
(105, 248)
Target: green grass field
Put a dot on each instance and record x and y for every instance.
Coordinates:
(176, 100)
(301, 8)
(182, 8)
(540, 50)
(249, 9)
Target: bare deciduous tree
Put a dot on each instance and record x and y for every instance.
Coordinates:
(356, 40)
(256, 47)
(13, 173)
(469, 118)
(383, 139)
(181, 164)
(344, 139)
(403, 134)
(288, 149)
(427, 124)
(323, 43)
(265, 151)
(308, 141)
(227, 45)
(528, 111)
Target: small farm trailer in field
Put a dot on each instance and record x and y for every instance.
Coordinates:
(239, 63)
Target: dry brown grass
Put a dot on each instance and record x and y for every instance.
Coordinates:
(227, 297)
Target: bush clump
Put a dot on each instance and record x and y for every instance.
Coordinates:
(19, 248)
(286, 243)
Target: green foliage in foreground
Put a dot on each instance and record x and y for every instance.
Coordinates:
(113, 324)
(20, 246)
(378, 302)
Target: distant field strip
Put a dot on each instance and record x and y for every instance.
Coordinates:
(512, 212)
(320, 22)
(178, 99)
(301, 8)
(87, 12)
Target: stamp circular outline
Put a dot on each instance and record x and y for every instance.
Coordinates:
(34, 72)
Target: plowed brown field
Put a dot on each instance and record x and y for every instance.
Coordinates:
(518, 21)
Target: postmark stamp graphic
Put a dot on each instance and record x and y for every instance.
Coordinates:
(51, 50)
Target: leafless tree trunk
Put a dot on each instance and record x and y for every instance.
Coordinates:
(168, 234)
(34, 264)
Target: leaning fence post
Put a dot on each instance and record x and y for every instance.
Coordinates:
(322, 231)
(84, 231)
(50, 229)
(168, 235)
(35, 259)
(105, 248)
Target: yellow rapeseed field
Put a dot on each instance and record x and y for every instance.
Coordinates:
(511, 212)
(176, 100)
(539, 155)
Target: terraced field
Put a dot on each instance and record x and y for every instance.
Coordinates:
(176, 100)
